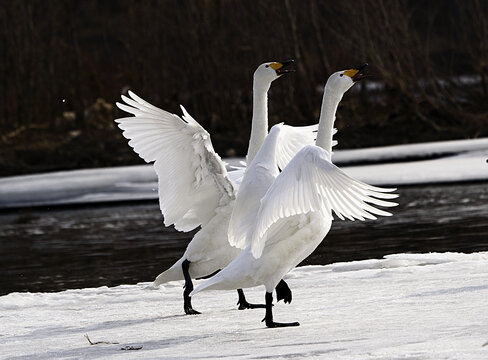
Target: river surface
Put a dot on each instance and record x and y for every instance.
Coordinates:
(53, 249)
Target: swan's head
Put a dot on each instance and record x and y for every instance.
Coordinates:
(270, 71)
(341, 81)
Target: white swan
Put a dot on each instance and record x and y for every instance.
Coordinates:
(194, 186)
(296, 212)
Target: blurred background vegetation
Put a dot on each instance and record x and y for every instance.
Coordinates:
(65, 63)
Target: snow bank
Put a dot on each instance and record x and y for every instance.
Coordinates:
(410, 151)
(405, 306)
(80, 186)
(464, 160)
(460, 168)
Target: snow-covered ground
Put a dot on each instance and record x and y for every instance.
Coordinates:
(456, 161)
(406, 306)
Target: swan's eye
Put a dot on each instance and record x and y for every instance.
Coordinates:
(267, 65)
(342, 75)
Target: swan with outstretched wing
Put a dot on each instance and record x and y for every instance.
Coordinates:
(195, 188)
(296, 211)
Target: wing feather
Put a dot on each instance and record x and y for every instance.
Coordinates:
(279, 147)
(292, 139)
(311, 183)
(192, 177)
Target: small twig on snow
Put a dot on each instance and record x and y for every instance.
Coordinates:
(98, 342)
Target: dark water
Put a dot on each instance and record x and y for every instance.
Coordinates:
(60, 248)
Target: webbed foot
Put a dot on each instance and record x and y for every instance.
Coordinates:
(268, 318)
(272, 324)
(243, 304)
(191, 311)
(283, 292)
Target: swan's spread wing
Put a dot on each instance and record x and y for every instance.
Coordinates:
(292, 139)
(311, 183)
(193, 180)
(279, 147)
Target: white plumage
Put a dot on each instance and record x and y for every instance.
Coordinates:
(194, 186)
(312, 184)
(295, 210)
(192, 177)
(259, 176)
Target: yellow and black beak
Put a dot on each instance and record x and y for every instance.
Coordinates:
(357, 73)
(281, 67)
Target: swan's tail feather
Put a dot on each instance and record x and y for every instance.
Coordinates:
(212, 283)
(174, 273)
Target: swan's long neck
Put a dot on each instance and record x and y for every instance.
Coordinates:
(328, 110)
(259, 124)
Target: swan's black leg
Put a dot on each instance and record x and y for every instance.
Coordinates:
(283, 292)
(188, 289)
(269, 314)
(243, 304)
